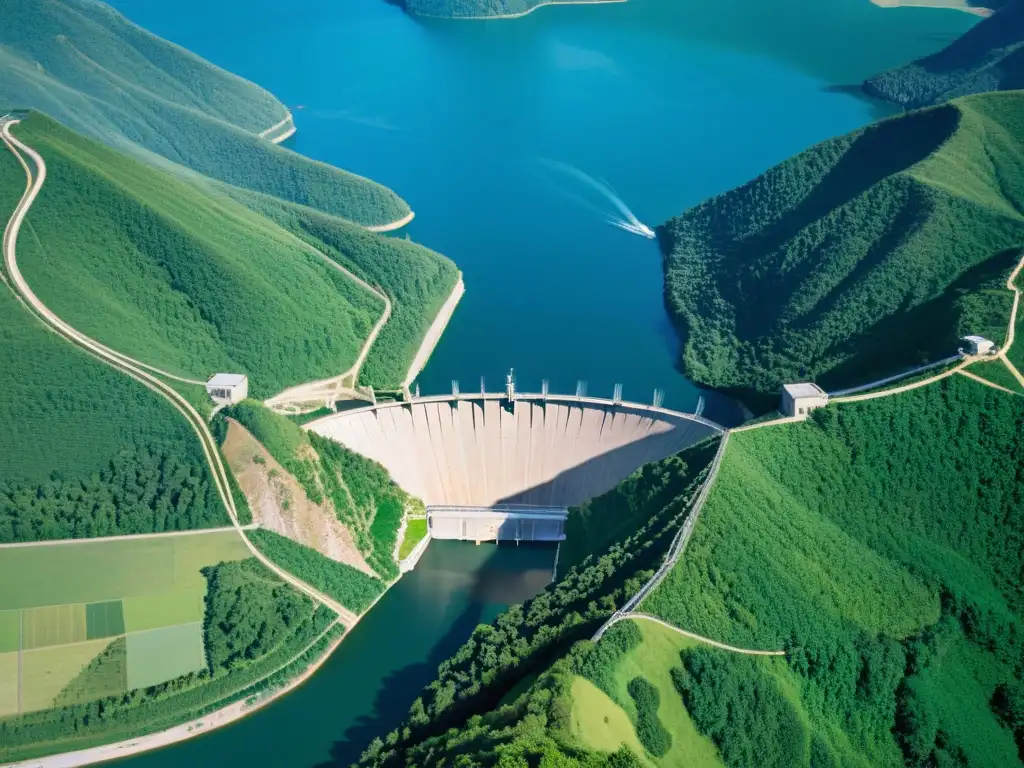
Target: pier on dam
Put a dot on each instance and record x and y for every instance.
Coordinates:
(504, 522)
(489, 449)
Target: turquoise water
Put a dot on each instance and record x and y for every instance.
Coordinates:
(669, 101)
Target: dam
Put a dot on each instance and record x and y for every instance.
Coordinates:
(491, 449)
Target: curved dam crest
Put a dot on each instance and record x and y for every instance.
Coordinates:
(484, 450)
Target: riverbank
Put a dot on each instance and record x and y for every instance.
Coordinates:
(288, 124)
(953, 5)
(517, 15)
(435, 332)
(392, 226)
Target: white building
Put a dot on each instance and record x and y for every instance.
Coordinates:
(228, 388)
(801, 399)
(979, 345)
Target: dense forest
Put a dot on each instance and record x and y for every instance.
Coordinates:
(416, 279)
(361, 491)
(84, 450)
(527, 637)
(988, 57)
(856, 258)
(261, 634)
(181, 278)
(84, 64)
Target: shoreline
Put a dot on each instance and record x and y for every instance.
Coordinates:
(398, 223)
(517, 15)
(949, 5)
(286, 135)
(436, 330)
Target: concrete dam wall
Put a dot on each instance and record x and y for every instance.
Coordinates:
(486, 450)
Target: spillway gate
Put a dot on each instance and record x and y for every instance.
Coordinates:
(504, 522)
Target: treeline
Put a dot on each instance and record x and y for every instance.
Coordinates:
(526, 637)
(349, 586)
(900, 610)
(363, 495)
(416, 279)
(249, 612)
(70, 59)
(988, 57)
(850, 260)
(142, 711)
(143, 489)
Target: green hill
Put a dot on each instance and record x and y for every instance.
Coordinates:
(84, 450)
(90, 68)
(453, 9)
(180, 277)
(863, 255)
(879, 545)
(989, 57)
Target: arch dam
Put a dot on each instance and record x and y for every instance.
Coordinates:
(480, 460)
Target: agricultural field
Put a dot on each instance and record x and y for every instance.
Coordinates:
(86, 619)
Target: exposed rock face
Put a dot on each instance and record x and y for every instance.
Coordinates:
(279, 504)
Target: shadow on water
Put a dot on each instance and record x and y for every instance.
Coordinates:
(499, 581)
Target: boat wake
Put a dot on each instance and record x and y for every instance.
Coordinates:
(626, 220)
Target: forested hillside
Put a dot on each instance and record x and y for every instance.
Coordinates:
(180, 277)
(989, 57)
(862, 256)
(879, 545)
(85, 451)
(471, 8)
(84, 64)
(361, 492)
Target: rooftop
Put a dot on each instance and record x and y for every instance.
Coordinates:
(226, 380)
(976, 339)
(804, 389)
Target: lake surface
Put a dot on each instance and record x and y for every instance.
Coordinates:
(668, 101)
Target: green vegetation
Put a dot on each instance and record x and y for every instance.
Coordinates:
(349, 586)
(451, 9)
(417, 280)
(166, 272)
(259, 632)
(525, 638)
(90, 68)
(997, 372)
(651, 732)
(415, 532)
(900, 608)
(860, 257)
(988, 57)
(362, 493)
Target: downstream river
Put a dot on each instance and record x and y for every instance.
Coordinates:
(485, 129)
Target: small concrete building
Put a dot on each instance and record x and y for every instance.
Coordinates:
(228, 388)
(979, 345)
(800, 399)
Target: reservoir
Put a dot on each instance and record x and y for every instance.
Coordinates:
(476, 125)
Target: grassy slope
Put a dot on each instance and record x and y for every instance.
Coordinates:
(989, 57)
(416, 279)
(67, 416)
(857, 257)
(854, 540)
(89, 67)
(181, 278)
(361, 492)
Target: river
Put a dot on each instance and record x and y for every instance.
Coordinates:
(667, 101)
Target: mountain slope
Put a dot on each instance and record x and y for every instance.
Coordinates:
(85, 451)
(474, 8)
(855, 258)
(90, 68)
(989, 57)
(179, 277)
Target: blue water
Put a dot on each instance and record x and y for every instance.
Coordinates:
(670, 101)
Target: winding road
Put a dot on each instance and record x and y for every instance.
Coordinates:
(125, 364)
